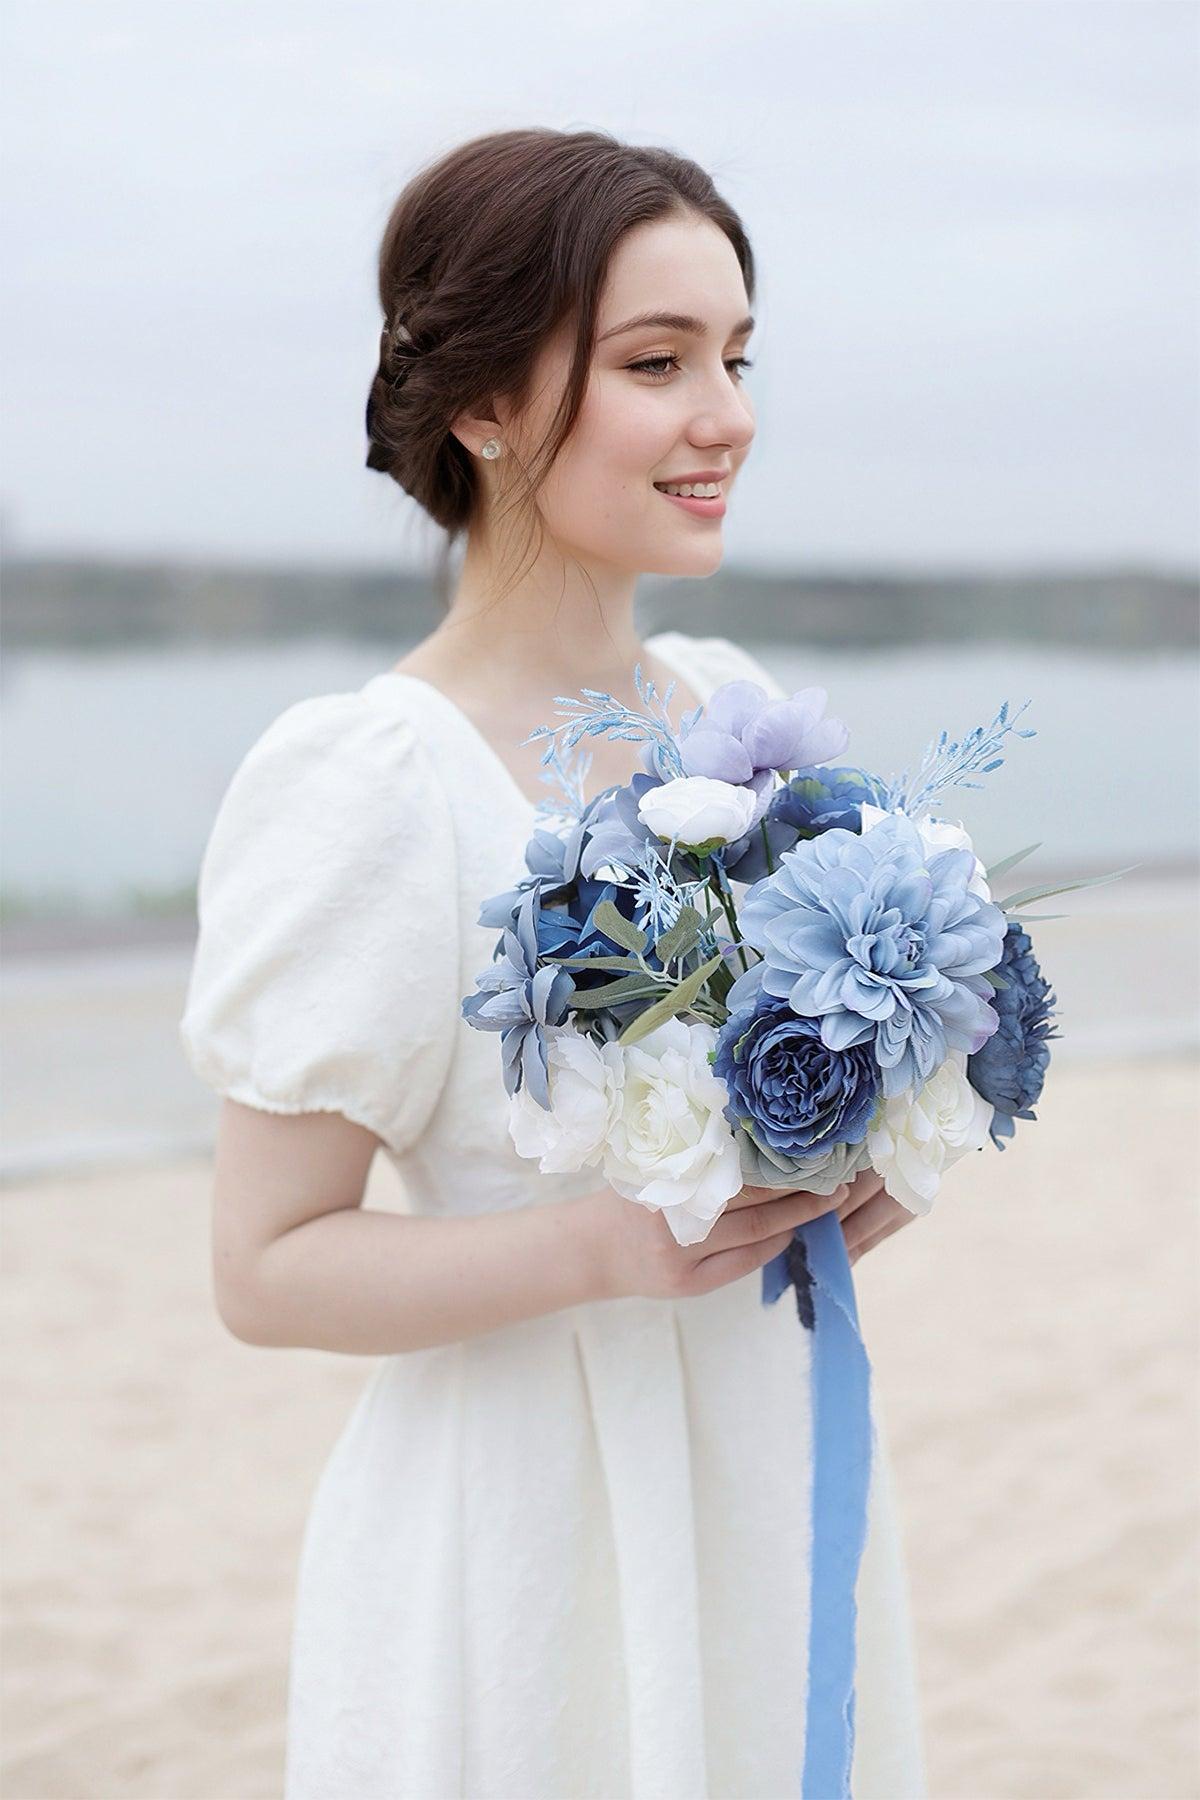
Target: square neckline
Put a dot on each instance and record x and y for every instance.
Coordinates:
(678, 667)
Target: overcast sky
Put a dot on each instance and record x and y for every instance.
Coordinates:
(975, 224)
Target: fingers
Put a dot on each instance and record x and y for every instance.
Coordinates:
(869, 1218)
(865, 1185)
(771, 1196)
(776, 1212)
(876, 1237)
(729, 1265)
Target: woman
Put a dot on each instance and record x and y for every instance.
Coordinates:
(559, 1549)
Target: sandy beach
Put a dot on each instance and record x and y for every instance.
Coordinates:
(1035, 1344)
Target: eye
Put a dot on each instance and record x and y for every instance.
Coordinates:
(652, 365)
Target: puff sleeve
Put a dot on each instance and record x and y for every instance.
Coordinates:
(325, 975)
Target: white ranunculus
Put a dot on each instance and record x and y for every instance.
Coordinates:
(695, 809)
(582, 1086)
(915, 1136)
(670, 1147)
(937, 834)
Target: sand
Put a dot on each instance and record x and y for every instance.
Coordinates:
(1035, 1342)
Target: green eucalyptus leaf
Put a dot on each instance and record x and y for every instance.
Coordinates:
(616, 926)
(682, 935)
(676, 1000)
(597, 962)
(629, 987)
(1010, 862)
(1045, 893)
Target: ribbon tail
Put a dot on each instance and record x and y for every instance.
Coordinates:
(816, 1263)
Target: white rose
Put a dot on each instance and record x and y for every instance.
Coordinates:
(937, 834)
(582, 1088)
(915, 1136)
(696, 808)
(670, 1147)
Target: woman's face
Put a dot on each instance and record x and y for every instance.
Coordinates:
(685, 413)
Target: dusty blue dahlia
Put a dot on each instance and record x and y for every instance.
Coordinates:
(1010, 1069)
(802, 1103)
(518, 999)
(880, 940)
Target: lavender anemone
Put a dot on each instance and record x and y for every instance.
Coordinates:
(744, 732)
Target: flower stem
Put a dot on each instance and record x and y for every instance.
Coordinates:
(719, 883)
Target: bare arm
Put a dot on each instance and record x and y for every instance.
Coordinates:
(298, 1262)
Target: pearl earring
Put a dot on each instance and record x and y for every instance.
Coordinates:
(492, 448)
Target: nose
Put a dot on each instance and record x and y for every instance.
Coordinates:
(728, 423)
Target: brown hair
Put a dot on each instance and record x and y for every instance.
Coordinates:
(485, 254)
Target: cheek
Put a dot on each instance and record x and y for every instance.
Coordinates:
(627, 431)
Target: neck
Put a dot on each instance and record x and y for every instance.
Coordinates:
(559, 625)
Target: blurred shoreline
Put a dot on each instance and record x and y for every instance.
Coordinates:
(95, 1076)
(72, 934)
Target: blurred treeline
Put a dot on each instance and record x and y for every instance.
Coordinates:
(84, 603)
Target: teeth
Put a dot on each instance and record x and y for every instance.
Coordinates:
(700, 490)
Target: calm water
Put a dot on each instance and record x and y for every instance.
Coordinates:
(114, 765)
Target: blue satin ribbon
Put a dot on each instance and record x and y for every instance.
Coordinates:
(816, 1264)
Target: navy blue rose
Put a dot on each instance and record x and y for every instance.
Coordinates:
(802, 1102)
(1010, 1069)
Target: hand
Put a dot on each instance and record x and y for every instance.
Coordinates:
(636, 1253)
(869, 1214)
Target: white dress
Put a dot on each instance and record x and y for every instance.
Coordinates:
(569, 1557)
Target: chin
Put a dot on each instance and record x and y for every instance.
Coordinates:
(696, 560)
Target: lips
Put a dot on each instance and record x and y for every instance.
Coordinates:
(696, 475)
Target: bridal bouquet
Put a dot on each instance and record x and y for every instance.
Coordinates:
(757, 964)
(748, 965)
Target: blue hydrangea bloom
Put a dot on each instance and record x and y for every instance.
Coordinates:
(879, 942)
(814, 800)
(1010, 1069)
(798, 1097)
(518, 999)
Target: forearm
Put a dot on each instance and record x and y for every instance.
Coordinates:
(375, 1283)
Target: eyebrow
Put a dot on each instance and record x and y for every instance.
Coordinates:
(675, 322)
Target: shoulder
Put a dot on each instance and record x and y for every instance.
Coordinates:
(325, 973)
(333, 742)
(358, 753)
(718, 659)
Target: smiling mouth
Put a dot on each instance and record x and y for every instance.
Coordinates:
(699, 490)
(701, 505)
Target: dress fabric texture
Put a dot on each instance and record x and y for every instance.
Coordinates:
(568, 1558)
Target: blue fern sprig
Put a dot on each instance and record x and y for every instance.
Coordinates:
(598, 713)
(947, 764)
(568, 769)
(659, 896)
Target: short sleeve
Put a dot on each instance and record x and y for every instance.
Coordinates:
(325, 974)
